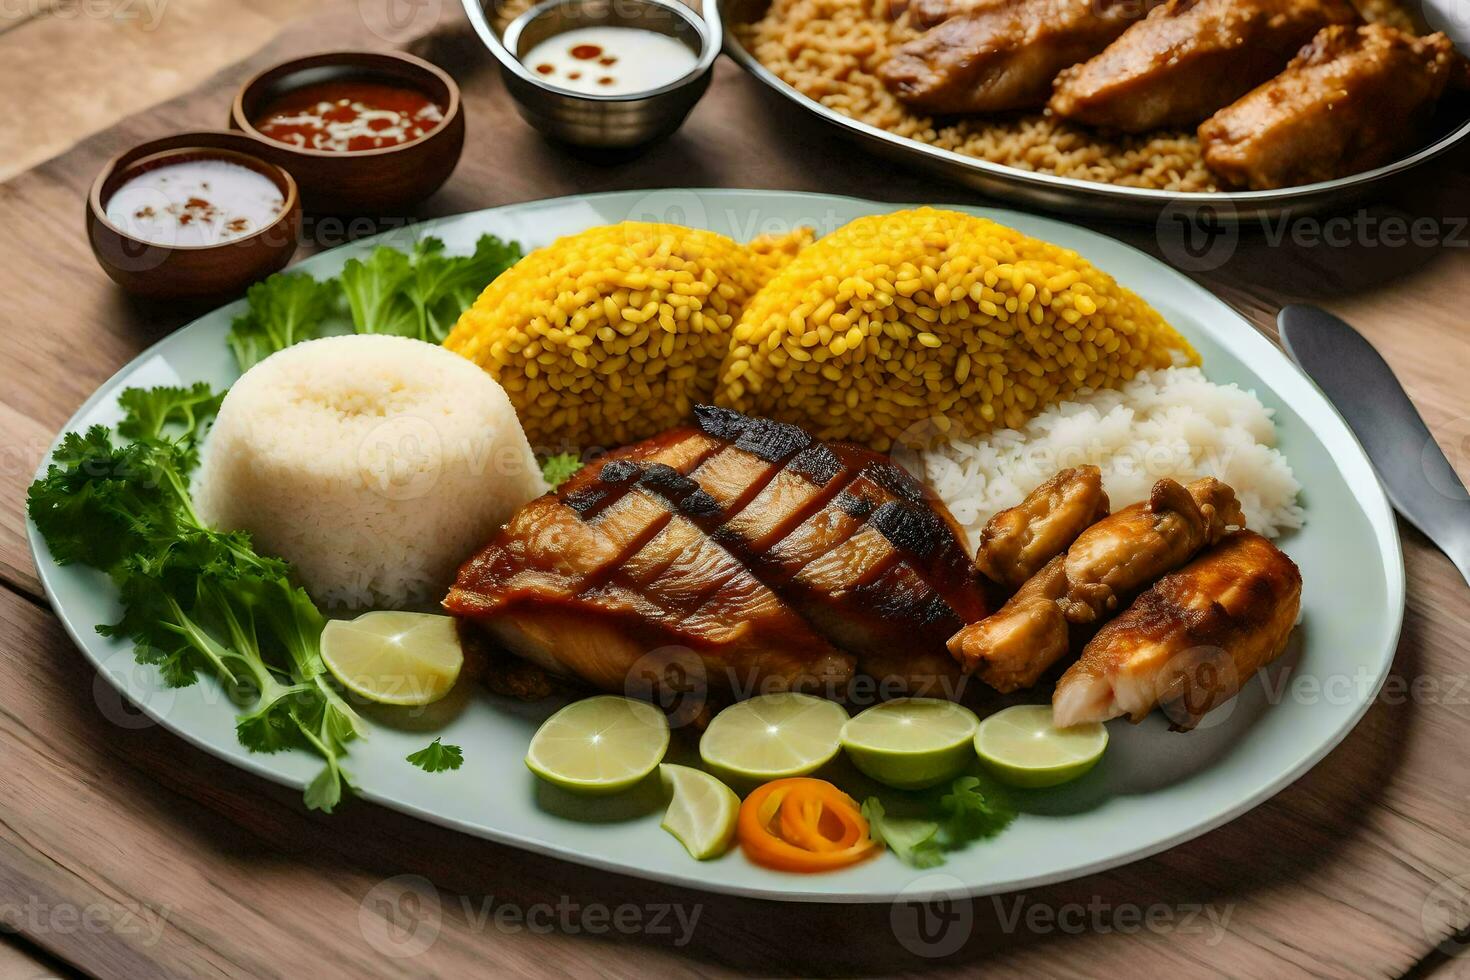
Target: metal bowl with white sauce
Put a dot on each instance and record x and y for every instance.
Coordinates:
(619, 117)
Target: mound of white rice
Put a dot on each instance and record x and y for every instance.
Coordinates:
(1167, 423)
(374, 464)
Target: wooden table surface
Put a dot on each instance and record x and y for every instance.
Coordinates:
(125, 852)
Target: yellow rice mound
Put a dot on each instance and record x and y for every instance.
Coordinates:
(915, 326)
(614, 334)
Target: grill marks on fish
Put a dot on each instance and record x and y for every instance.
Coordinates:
(787, 499)
(747, 540)
(883, 574)
(563, 543)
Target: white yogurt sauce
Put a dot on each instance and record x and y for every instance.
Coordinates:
(610, 60)
(195, 202)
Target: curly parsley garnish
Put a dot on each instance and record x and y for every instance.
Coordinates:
(194, 599)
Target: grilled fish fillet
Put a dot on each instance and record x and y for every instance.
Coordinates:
(1059, 606)
(765, 559)
(1189, 642)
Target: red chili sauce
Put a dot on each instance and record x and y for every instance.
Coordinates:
(582, 52)
(348, 116)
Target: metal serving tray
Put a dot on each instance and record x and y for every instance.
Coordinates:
(1073, 196)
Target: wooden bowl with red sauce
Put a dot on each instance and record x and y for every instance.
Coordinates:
(363, 132)
(179, 265)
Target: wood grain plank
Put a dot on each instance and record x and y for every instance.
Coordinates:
(164, 46)
(24, 446)
(21, 961)
(1330, 878)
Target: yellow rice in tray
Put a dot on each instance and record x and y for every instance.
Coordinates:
(921, 325)
(614, 334)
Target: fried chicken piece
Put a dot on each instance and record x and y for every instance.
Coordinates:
(1188, 58)
(1189, 642)
(1119, 556)
(1013, 648)
(1351, 100)
(1017, 542)
(1059, 607)
(1003, 56)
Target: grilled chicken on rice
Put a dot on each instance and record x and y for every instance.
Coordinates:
(1188, 58)
(1002, 56)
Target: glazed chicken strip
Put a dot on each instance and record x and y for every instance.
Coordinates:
(1016, 543)
(1117, 557)
(1107, 564)
(1350, 101)
(1188, 58)
(1191, 641)
(1012, 649)
(1003, 56)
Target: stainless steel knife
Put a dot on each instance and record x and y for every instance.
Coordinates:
(1361, 386)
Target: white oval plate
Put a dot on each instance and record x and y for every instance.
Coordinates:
(1154, 789)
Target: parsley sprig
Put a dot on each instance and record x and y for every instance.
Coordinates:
(437, 757)
(419, 293)
(195, 600)
(953, 820)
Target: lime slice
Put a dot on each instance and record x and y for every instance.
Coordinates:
(772, 737)
(600, 745)
(702, 812)
(1022, 747)
(911, 743)
(394, 657)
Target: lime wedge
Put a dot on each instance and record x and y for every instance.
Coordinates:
(394, 657)
(600, 745)
(1022, 747)
(911, 743)
(702, 811)
(772, 737)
